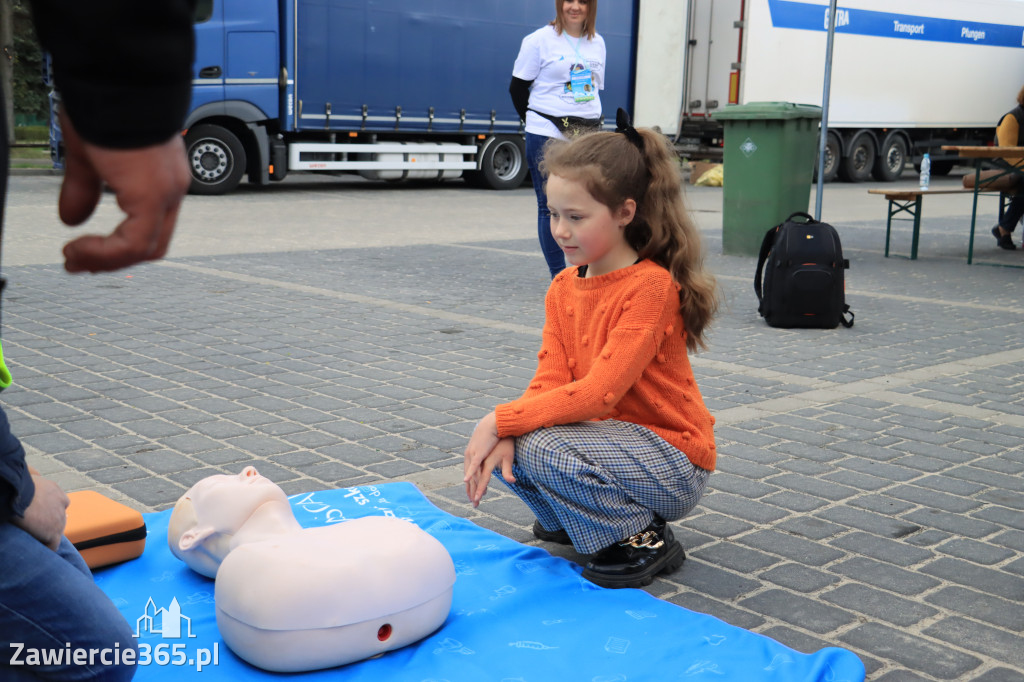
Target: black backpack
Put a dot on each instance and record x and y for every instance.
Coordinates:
(803, 276)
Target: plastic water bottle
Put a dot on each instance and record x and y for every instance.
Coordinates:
(926, 171)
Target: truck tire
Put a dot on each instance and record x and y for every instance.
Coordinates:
(502, 163)
(859, 160)
(891, 159)
(833, 150)
(216, 159)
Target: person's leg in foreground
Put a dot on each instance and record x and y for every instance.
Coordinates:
(49, 604)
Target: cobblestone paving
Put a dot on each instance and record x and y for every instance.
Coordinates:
(869, 491)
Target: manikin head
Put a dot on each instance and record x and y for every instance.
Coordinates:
(207, 518)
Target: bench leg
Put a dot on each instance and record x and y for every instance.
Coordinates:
(974, 210)
(917, 228)
(897, 206)
(888, 228)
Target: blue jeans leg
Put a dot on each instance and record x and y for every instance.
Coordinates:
(552, 253)
(49, 601)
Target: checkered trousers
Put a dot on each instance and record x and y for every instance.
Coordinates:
(603, 481)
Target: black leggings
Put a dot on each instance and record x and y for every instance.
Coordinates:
(1014, 211)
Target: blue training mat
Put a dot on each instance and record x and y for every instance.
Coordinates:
(518, 615)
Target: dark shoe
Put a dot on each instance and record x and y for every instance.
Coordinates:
(559, 536)
(1003, 241)
(635, 561)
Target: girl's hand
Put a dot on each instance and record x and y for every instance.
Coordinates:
(501, 456)
(485, 452)
(483, 440)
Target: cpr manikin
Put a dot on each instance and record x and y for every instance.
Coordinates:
(290, 598)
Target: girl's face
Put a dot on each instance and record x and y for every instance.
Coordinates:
(574, 15)
(588, 232)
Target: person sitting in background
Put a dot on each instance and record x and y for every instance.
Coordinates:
(1010, 133)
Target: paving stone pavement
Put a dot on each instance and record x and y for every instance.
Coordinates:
(869, 487)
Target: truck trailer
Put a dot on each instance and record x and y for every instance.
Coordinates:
(395, 89)
(908, 76)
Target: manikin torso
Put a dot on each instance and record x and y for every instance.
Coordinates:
(291, 599)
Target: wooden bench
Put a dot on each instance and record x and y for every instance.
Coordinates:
(909, 201)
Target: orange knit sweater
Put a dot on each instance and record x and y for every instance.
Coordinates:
(613, 348)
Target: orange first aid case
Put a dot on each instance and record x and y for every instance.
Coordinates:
(105, 532)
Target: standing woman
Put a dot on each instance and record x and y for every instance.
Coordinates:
(555, 84)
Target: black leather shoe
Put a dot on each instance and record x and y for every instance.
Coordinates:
(635, 561)
(1003, 241)
(559, 536)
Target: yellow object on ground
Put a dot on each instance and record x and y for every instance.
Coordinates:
(713, 177)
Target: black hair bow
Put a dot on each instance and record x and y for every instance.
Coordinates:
(625, 126)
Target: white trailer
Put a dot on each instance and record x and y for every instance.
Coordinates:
(907, 75)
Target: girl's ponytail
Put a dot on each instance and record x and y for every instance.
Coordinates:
(673, 240)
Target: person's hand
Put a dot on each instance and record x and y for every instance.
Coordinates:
(502, 455)
(149, 183)
(483, 440)
(484, 454)
(46, 514)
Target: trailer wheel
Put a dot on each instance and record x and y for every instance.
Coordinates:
(216, 159)
(892, 159)
(833, 150)
(857, 164)
(502, 162)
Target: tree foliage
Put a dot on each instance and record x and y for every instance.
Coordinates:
(29, 90)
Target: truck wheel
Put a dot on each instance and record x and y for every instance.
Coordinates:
(216, 159)
(891, 160)
(503, 162)
(857, 164)
(833, 149)
(942, 167)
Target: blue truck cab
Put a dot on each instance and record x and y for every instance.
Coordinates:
(388, 89)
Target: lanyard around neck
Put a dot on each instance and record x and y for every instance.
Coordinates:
(575, 49)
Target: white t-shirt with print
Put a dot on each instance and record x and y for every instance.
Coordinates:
(546, 58)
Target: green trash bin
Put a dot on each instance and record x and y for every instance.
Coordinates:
(770, 149)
